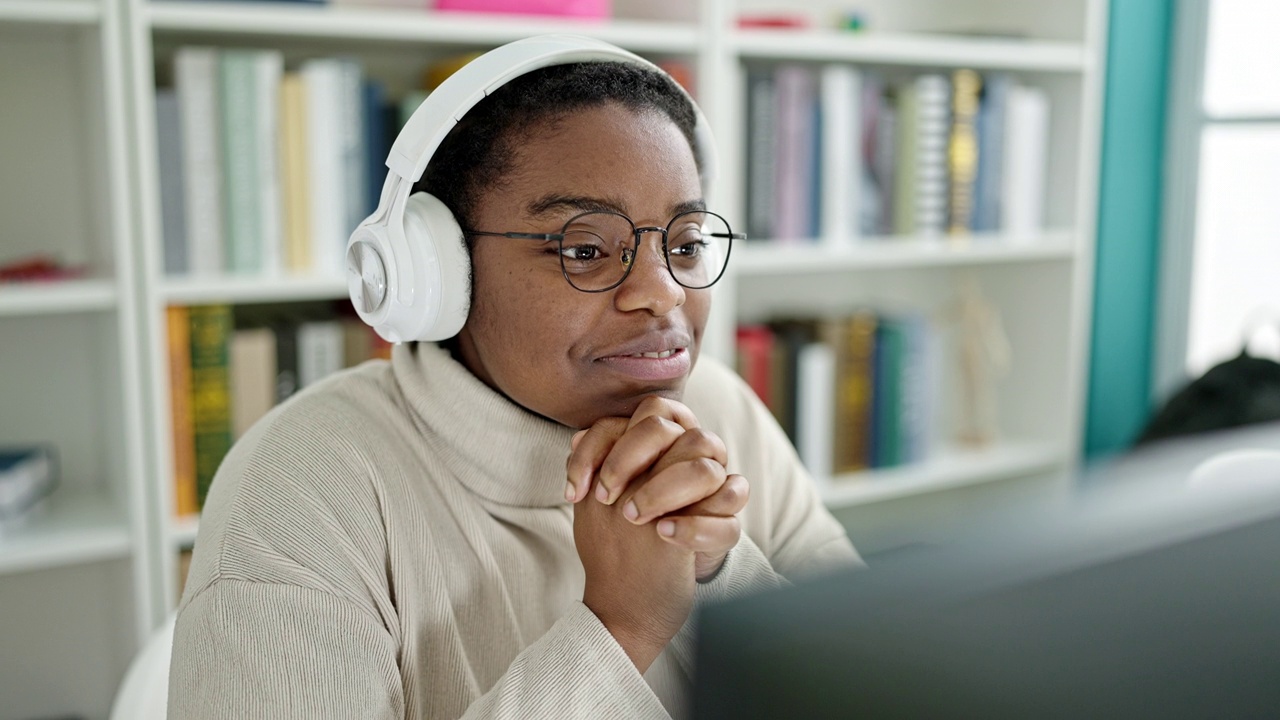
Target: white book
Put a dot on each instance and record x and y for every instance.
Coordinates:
(320, 350)
(323, 81)
(195, 72)
(933, 127)
(815, 408)
(269, 72)
(354, 160)
(841, 157)
(1025, 160)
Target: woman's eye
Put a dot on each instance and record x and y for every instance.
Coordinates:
(581, 253)
(689, 249)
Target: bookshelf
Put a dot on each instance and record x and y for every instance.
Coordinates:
(80, 567)
(105, 59)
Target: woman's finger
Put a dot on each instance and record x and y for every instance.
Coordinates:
(673, 489)
(729, 499)
(590, 448)
(633, 454)
(700, 533)
(654, 405)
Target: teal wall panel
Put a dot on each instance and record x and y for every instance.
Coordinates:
(1129, 209)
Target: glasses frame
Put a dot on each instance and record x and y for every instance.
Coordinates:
(637, 233)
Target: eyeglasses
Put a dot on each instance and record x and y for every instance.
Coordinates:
(598, 249)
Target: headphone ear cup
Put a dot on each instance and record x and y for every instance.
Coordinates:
(440, 295)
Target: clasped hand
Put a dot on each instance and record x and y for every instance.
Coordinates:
(655, 512)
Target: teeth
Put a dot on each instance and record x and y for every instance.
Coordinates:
(655, 355)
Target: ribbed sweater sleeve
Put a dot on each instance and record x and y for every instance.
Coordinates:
(259, 650)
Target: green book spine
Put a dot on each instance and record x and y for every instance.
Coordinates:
(211, 328)
(894, 339)
(242, 191)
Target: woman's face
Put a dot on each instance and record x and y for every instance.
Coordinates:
(568, 355)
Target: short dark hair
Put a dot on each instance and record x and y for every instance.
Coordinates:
(480, 149)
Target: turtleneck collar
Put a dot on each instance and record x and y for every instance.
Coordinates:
(499, 450)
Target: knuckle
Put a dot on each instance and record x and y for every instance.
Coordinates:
(704, 442)
(706, 467)
(736, 491)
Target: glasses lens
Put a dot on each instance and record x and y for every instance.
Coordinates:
(698, 245)
(597, 250)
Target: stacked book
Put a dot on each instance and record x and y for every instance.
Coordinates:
(837, 153)
(27, 476)
(229, 367)
(853, 393)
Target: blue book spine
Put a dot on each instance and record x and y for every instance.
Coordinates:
(377, 116)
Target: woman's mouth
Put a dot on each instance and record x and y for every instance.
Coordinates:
(667, 364)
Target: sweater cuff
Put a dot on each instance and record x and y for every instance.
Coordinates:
(576, 670)
(746, 570)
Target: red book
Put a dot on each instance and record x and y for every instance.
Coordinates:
(755, 348)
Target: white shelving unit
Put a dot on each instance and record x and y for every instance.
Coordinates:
(85, 361)
(80, 567)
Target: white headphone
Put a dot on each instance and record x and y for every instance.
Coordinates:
(407, 266)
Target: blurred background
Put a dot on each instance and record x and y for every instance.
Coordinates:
(999, 251)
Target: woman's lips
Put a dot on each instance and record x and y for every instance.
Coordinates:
(662, 365)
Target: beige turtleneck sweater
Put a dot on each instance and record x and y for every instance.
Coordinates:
(394, 543)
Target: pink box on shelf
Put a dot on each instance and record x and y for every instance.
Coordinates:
(594, 9)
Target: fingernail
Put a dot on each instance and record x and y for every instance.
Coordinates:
(666, 528)
(602, 494)
(570, 492)
(577, 438)
(630, 512)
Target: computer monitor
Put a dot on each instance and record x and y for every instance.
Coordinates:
(1148, 604)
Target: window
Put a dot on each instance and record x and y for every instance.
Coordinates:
(1222, 220)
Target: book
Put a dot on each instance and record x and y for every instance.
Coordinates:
(755, 348)
(268, 75)
(295, 183)
(988, 184)
(241, 192)
(840, 153)
(211, 328)
(354, 188)
(28, 474)
(933, 125)
(761, 153)
(796, 159)
(178, 337)
(962, 150)
(326, 155)
(1025, 162)
(252, 377)
(815, 407)
(173, 214)
(286, 383)
(320, 350)
(855, 392)
(196, 85)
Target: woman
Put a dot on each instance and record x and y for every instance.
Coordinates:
(401, 541)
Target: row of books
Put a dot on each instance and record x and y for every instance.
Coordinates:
(852, 393)
(264, 170)
(228, 367)
(837, 152)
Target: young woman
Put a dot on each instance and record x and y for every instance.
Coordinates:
(516, 522)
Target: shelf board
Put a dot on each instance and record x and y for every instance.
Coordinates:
(381, 24)
(183, 530)
(61, 296)
(72, 529)
(50, 12)
(951, 468)
(196, 291)
(911, 49)
(807, 256)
